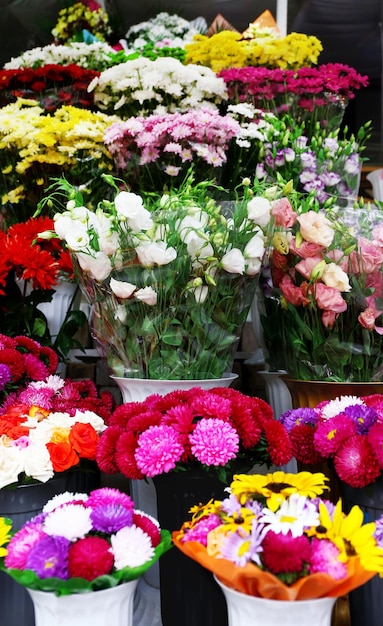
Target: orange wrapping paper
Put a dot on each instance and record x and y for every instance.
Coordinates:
(255, 582)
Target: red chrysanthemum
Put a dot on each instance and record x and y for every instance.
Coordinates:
(15, 362)
(124, 412)
(149, 526)
(50, 358)
(137, 424)
(106, 450)
(35, 369)
(285, 553)
(126, 462)
(26, 344)
(90, 557)
(279, 444)
(355, 462)
(303, 447)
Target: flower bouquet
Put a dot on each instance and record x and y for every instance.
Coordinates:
(346, 431)
(275, 536)
(325, 290)
(212, 430)
(170, 276)
(49, 427)
(75, 22)
(81, 544)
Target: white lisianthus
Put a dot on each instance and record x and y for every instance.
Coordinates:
(200, 250)
(122, 289)
(130, 206)
(201, 293)
(233, 262)
(74, 232)
(155, 253)
(259, 210)
(37, 462)
(11, 463)
(146, 295)
(253, 253)
(334, 276)
(98, 265)
(108, 240)
(192, 225)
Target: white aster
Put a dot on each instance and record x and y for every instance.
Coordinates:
(131, 547)
(334, 407)
(71, 521)
(63, 498)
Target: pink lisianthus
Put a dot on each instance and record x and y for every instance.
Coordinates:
(367, 320)
(329, 299)
(283, 213)
(306, 266)
(293, 294)
(367, 259)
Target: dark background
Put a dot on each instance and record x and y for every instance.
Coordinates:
(350, 31)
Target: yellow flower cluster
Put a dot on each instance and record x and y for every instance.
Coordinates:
(72, 20)
(228, 49)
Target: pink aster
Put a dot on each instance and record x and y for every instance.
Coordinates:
(325, 559)
(109, 495)
(214, 442)
(201, 529)
(330, 434)
(33, 396)
(356, 463)
(21, 544)
(34, 368)
(158, 450)
(375, 439)
(210, 405)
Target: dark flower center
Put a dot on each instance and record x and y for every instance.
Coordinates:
(277, 487)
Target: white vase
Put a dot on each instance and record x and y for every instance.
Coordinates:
(98, 608)
(138, 389)
(245, 610)
(56, 310)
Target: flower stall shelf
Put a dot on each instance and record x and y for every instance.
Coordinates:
(345, 432)
(188, 443)
(279, 550)
(80, 559)
(50, 428)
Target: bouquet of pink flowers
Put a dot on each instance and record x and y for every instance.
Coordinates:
(184, 429)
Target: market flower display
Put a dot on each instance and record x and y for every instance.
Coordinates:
(164, 29)
(83, 543)
(170, 276)
(216, 430)
(346, 431)
(84, 15)
(277, 536)
(96, 56)
(50, 426)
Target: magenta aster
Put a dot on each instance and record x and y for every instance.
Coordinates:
(355, 462)
(325, 559)
(214, 442)
(331, 433)
(90, 557)
(285, 553)
(158, 450)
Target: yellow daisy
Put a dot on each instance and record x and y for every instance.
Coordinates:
(276, 487)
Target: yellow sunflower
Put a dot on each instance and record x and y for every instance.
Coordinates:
(276, 487)
(5, 530)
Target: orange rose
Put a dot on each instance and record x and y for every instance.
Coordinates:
(63, 456)
(84, 440)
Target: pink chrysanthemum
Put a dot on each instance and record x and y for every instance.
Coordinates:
(158, 450)
(375, 439)
(90, 557)
(214, 442)
(41, 397)
(109, 495)
(356, 463)
(331, 433)
(285, 553)
(325, 559)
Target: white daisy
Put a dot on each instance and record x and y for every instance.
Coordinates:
(294, 515)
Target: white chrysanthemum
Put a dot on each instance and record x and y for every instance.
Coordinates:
(71, 521)
(63, 498)
(294, 515)
(131, 547)
(334, 407)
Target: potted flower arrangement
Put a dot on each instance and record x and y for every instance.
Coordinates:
(345, 432)
(279, 549)
(189, 443)
(82, 556)
(171, 277)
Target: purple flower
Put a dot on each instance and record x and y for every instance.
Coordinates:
(214, 442)
(49, 557)
(295, 417)
(5, 375)
(110, 518)
(363, 416)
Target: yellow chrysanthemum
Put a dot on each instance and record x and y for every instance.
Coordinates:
(5, 530)
(276, 487)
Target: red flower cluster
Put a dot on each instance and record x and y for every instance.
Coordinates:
(209, 429)
(23, 360)
(51, 85)
(39, 261)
